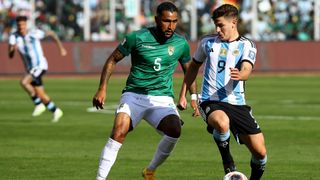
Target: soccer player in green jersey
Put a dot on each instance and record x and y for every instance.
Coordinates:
(148, 94)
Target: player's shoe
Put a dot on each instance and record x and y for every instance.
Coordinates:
(148, 174)
(39, 109)
(57, 114)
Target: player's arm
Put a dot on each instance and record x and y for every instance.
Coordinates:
(12, 46)
(112, 60)
(54, 36)
(11, 50)
(242, 74)
(191, 70)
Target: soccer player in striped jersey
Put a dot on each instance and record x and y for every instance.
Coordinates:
(148, 94)
(228, 60)
(27, 42)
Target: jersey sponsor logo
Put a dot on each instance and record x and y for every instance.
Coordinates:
(170, 50)
(148, 47)
(223, 52)
(252, 54)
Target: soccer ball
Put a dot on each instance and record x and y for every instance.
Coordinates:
(235, 175)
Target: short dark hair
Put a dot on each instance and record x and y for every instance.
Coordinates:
(21, 18)
(225, 10)
(166, 6)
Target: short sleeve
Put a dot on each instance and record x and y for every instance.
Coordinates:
(128, 43)
(249, 52)
(39, 34)
(200, 55)
(186, 53)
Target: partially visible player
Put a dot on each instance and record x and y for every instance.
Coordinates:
(228, 60)
(148, 94)
(27, 42)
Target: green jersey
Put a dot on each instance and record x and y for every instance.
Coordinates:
(153, 61)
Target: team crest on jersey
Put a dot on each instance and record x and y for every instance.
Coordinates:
(252, 54)
(223, 52)
(170, 50)
(235, 52)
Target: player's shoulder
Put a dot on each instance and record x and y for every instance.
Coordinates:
(247, 41)
(14, 34)
(177, 35)
(35, 31)
(141, 34)
(209, 37)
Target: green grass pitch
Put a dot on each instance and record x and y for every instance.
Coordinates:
(286, 107)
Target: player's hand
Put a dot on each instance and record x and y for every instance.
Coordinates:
(182, 103)
(235, 74)
(194, 106)
(98, 99)
(63, 52)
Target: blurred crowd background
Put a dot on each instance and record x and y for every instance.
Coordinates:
(109, 20)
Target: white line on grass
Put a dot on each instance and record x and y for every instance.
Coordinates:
(111, 110)
(303, 118)
(106, 109)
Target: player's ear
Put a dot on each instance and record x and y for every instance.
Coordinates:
(234, 21)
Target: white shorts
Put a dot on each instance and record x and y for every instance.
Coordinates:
(150, 108)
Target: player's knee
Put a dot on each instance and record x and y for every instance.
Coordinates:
(261, 153)
(173, 131)
(171, 126)
(221, 125)
(24, 83)
(118, 135)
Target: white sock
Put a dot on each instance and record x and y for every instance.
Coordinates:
(165, 147)
(107, 158)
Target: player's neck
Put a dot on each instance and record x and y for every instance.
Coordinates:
(234, 37)
(23, 32)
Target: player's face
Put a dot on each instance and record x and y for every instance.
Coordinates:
(22, 27)
(167, 23)
(226, 28)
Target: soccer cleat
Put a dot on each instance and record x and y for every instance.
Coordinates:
(57, 114)
(148, 174)
(39, 109)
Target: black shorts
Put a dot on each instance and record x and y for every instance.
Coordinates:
(37, 78)
(240, 116)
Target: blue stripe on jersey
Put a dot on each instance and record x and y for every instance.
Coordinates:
(221, 73)
(205, 86)
(236, 84)
(35, 50)
(27, 56)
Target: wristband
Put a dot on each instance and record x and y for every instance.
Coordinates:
(194, 96)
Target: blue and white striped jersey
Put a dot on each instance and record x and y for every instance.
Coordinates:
(218, 57)
(30, 49)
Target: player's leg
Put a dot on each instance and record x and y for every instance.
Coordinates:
(121, 127)
(41, 93)
(26, 84)
(219, 120)
(128, 115)
(171, 128)
(219, 126)
(163, 116)
(256, 145)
